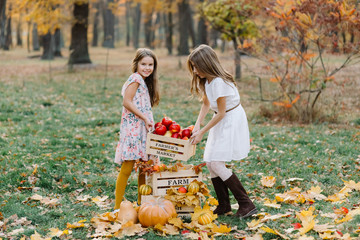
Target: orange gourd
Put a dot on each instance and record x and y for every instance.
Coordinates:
(156, 211)
(145, 189)
(127, 212)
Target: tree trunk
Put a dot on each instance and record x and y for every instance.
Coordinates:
(202, 32)
(57, 43)
(79, 42)
(128, 20)
(96, 26)
(8, 37)
(2, 23)
(156, 25)
(117, 29)
(168, 22)
(237, 61)
(48, 46)
(136, 25)
(148, 25)
(35, 38)
(183, 8)
(19, 32)
(214, 35)
(109, 25)
(28, 36)
(191, 26)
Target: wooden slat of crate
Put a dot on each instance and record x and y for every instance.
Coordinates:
(181, 211)
(162, 181)
(169, 147)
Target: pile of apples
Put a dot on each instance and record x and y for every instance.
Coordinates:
(170, 128)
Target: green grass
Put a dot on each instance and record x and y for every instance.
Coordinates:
(69, 129)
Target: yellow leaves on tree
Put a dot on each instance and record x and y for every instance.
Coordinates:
(48, 14)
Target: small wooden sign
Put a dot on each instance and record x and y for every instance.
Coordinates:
(169, 147)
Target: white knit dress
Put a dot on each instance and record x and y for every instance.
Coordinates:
(229, 139)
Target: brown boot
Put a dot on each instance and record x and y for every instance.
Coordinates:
(246, 206)
(222, 195)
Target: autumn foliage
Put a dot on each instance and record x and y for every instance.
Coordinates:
(297, 49)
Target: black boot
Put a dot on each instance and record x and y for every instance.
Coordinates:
(222, 195)
(246, 206)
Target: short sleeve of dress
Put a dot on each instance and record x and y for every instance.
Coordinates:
(135, 77)
(220, 88)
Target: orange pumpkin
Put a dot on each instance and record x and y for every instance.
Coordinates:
(193, 187)
(156, 211)
(145, 189)
(205, 218)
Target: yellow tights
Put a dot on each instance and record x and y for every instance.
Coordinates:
(122, 179)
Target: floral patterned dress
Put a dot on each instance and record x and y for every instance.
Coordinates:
(132, 143)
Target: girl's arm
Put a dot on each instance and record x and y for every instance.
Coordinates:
(202, 114)
(197, 136)
(129, 105)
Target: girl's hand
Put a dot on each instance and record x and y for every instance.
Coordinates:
(196, 137)
(148, 125)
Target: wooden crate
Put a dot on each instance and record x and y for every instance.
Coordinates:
(162, 181)
(169, 147)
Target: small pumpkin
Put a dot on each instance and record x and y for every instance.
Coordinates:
(156, 211)
(127, 212)
(205, 218)
(193, 187)
(145, 190)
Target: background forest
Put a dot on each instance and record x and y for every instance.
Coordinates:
(62, 65)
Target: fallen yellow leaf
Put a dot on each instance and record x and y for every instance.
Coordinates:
(221, 229)
(268, 181)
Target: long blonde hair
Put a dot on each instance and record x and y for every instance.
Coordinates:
(206, 61)
(152, 80)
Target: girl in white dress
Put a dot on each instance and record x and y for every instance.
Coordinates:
(228, 138)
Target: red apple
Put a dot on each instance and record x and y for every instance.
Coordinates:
(185, 138)
(186, 133)
(166, 121)
(174, 127)
(157, 124)
(161, 130)
(182, 190)
(191, 127)
(176, 135)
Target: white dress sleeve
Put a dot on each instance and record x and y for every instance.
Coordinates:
(220, 88)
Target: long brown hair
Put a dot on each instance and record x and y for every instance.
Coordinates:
(152, 80)
(206, 61)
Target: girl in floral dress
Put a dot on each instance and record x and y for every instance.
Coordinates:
(140, 93)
